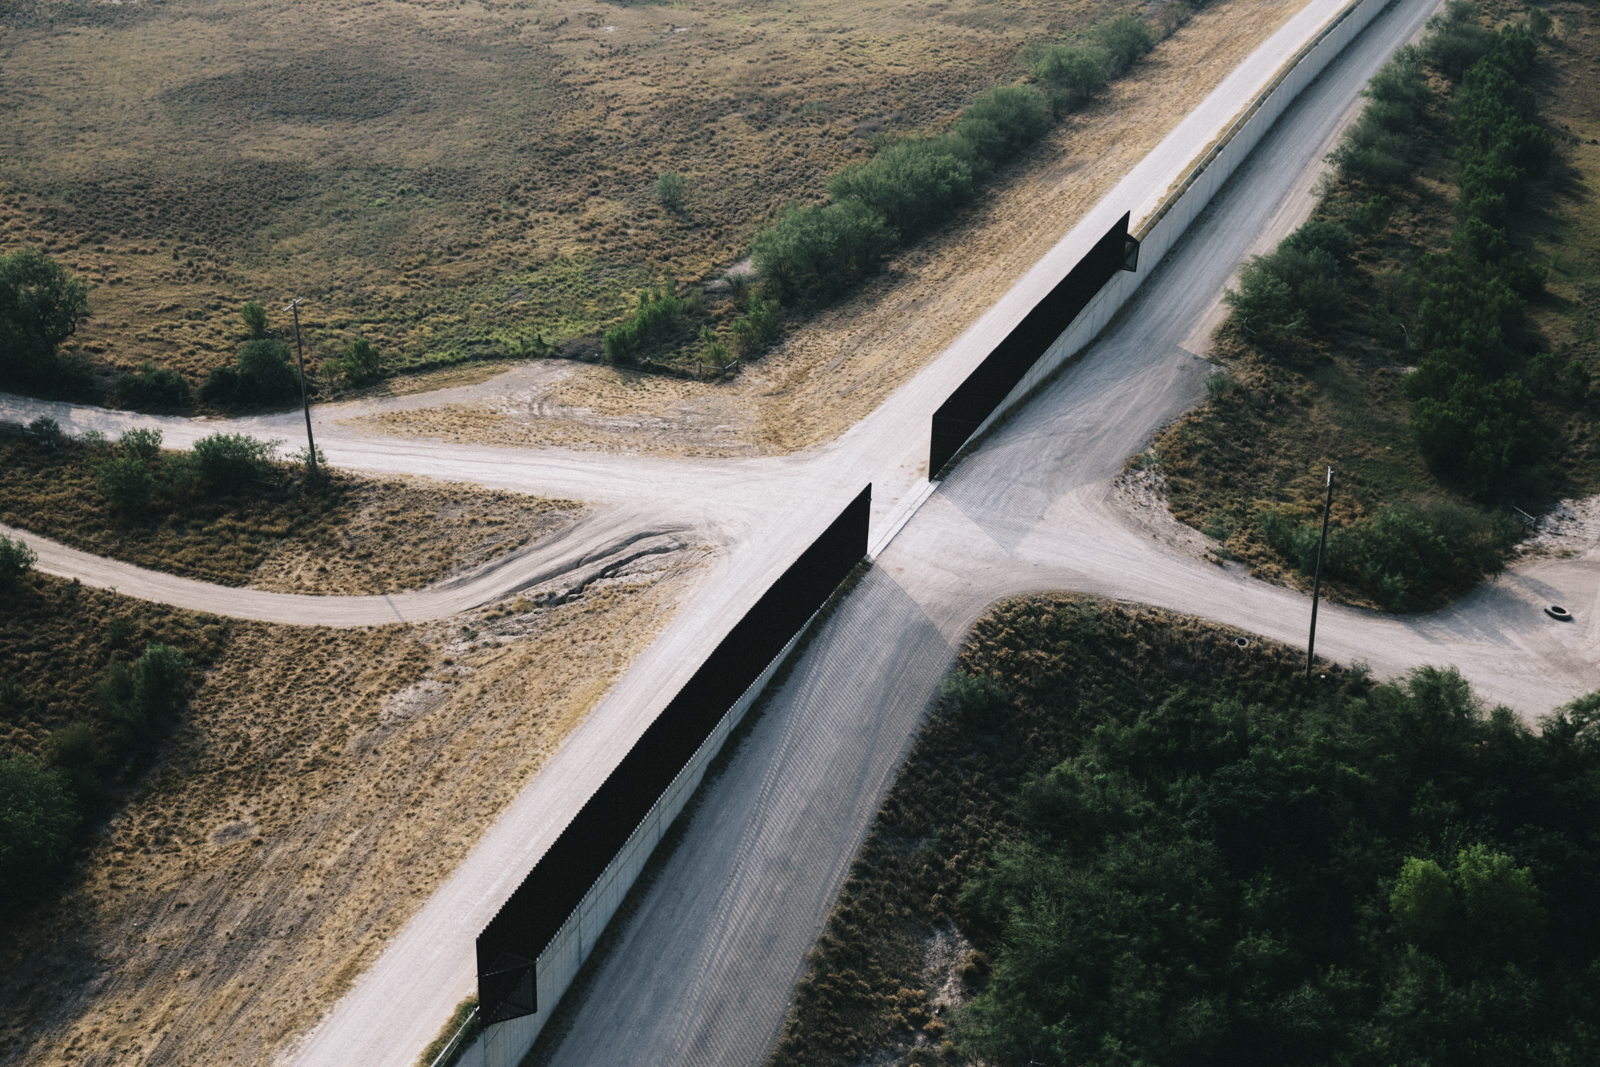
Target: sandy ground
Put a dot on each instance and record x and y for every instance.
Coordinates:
(845, 360)
(324, 785)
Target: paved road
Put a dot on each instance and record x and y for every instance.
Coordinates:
(957, 554)
(702, 972)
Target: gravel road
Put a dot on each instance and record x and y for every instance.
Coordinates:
(702, 971)
(1031, 510)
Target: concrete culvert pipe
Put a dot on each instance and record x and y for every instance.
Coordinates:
(1242, 642)
(1559, 613)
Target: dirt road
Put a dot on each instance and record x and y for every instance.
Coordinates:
(701, 973)
(948, 562)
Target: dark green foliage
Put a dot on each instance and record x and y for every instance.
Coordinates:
(1478, 431)
(1126, 39)
(38, 821)
(127, 483)
(361, 363)
(1071, 74)
(1369, 875)
(255, 319)
(39, 309)
(47, 432)
(227, 462)
(660, 314)
(1380, 147)
(142, 443)
(912, 184)
(262, 375)
(1299, 285)
(1001, 123)
(16, 559)
(821, 251)
(1455, 40)
(150, 386)
(1406, 556)
(670, 190)
(756, 328)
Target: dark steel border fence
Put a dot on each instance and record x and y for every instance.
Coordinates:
(509, 947)
(975, 399)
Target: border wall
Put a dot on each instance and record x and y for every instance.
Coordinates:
(992, 381)
(1164, 226)
(532, 949)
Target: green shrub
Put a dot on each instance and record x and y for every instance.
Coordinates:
(1126, 39)
(1329, 237)
(912, 184)
(821, 251)
(1293, 288)
(16, 559)
(255, 319)
(39, 309)
(47, 432)
(150, 386)
(1455, 40)
(670, 190)
(38, 818)
(142, 443)
(262, 374)
(1071, 73)
(660, 313)
(1478, 431)
(1002, 122)
(126, 483)
(225, 460)
(756, 328)
(160, 680)
(361, 362)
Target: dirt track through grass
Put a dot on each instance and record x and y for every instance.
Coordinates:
(324, 785)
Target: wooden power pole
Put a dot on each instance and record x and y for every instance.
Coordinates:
(305, 394)
(1316, 583)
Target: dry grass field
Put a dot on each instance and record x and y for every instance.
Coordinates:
(437, 175)
(321, 785)
(354, 535)
(843, 360)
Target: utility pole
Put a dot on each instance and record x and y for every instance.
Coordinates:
(1316, 584)
(305, 395)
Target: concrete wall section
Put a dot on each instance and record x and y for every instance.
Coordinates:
(1168, 222)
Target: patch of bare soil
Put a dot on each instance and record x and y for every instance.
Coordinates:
(404, 533)
(1141, 494)
(1570, 528)
(849, 357)
(325, 784)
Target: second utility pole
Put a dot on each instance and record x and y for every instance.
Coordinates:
(305, 399)
(1316, 584)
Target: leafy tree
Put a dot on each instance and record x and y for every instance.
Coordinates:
(142, 443)
(912, 184)
(150, 386)
(1455, 40)
(47, 432)
(1126, 39)
(1002, 122)
(127, 483)
(659, 314)
(1299, 285)
(16, 559)
(1479, 431)
(262, 374)
(38, 817)
(361, 362)
(1071, 73)
(255, 319)
(1424, 903)
(224, 461)
(670, 190)
(39, 309)
(756, 328)
(820, 251)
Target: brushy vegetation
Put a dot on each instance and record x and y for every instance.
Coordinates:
(263, 374)
(1393, 271)
(91, 686)
(40, 306)
(661, 314)
(1162, 848)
